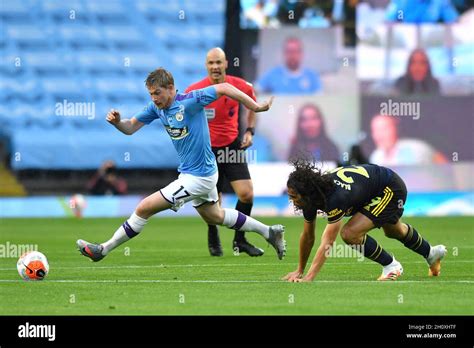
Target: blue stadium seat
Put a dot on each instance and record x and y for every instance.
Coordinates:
(81, 36)
(108, 7)
(65, 11)
(109, 11)
(63, 88)
(165, 11)
(54, 52)
(142, 63)
(125, 37)
(61, 6)
(21, 114)
(66, 147)
(128, 110)
(6, 90)
(28, 36)
(46, 116)
(117, 89)
(181, 36)
(214, 35)
(47, 63)
(14, 12)
(190, 63)
(28, 89)
(206, 11)
(11, 64)
(100, 62)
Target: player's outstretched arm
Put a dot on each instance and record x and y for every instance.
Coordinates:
(234, 93)
(125, 126)
(306, 245)
(327, 240)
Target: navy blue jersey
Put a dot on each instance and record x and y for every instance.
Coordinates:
(354, 188)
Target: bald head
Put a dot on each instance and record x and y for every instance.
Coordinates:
(216, 64)
(216, 52)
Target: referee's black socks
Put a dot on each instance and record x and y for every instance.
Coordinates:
(212, 234)
(244, 208)
(414, 241)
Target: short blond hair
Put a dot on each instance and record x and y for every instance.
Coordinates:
(159, 78)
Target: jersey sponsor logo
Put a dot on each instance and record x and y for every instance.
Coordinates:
(334, 212)
(210, 113)
(177, 133)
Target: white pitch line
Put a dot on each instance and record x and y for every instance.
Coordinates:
(230, 281)
(355, 262)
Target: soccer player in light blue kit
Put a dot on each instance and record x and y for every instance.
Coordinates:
(185, 121)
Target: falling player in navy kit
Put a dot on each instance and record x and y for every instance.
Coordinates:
(374, 196)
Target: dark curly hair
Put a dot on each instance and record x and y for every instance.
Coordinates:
(308, 181)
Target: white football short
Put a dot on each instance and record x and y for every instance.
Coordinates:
(198, 189)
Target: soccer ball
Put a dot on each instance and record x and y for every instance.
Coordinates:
(32, 265)
(78, 203)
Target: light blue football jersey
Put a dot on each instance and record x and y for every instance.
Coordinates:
(186, 124)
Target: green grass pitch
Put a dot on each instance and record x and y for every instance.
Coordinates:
(168, 271)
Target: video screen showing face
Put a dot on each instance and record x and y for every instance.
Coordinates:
(319, 127)
(422, 131)
(291, 61)
(415, 48)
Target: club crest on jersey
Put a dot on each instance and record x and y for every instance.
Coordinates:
(179, 116)
(177, 133)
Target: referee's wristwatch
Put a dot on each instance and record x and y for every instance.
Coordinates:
(251, 130)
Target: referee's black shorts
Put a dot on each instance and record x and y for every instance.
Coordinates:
(231, 163)
(388, 206)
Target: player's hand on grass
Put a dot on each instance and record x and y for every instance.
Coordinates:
(113, 117)
(264, 106)
(293, 276)
(305, 279)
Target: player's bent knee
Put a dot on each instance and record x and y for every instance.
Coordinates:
(145, 209)
(246, 196)
(212, 214)
(345, 234)
(217, 217)
(142, 210)
(393, 232)
(349, 235)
